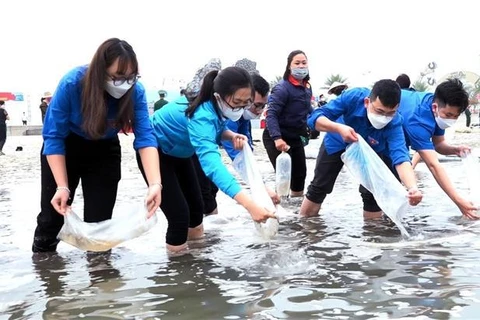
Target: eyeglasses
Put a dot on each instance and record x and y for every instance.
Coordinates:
(121, 80)
(259, 106)
(237, 108)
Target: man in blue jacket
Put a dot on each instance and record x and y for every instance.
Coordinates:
(426, 116)
(373, 115)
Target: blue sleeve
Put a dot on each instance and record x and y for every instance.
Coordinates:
(56, 126)
(202, 133)
(420, 135)
(397, 147)
(334, 109)
(276, 102)
(143, 130)
(242, 127)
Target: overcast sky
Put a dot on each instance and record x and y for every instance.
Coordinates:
(362, 40)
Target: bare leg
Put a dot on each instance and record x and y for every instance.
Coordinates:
(309, 208)
(195, 233)
(296, 194)
(370, 215)
(415, 159)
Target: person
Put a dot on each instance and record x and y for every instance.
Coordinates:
(468, 116)
(241, 126)
(3, 126)
(288, 108)
(322, 100)
(91, 105)
(197, 128)
(372, 114)
(336, 89)
(403, 81)
(161, 102)
(24, 119)
(43, 108)
(426, 116)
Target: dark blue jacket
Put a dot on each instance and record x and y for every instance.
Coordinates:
(288, 108)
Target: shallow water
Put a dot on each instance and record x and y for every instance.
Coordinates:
(335, 266)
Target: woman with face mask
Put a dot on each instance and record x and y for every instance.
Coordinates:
(184, 130)
(289, 105)
(91, 105)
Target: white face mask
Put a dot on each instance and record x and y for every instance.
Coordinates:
(249, 115)
(228, 112)
(444, 123)
(378, 121)
(117, 91)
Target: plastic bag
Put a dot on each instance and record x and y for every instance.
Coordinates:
(283, 174)
(247, 168)
(372, 173)
(472, 171)
(104, 235)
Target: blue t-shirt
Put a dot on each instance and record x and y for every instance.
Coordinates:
(181, 137)
(349, 108)
(64, 115)
(419, 122)
(241, 126)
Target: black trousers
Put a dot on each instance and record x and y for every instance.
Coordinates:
(3, 135)
(297, 152)
(326, 172)
(97, 164)
(208, 189)
(181, 197)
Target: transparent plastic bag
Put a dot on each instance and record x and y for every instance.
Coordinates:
(472, 171)
(283, 174)
(104, 235)
(372, 173)
(246, 167)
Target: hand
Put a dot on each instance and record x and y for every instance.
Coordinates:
(414, 196)
(281, 145)
(348, 134)
(59, 201)
(462, 151)
(468, 209)
(273, 195)
(153, 199)
(238, 141)
(260, 214)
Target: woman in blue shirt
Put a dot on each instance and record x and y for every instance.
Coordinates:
(91, 105)
(198, 128)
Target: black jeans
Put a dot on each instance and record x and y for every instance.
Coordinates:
(3, 135)
(97, 164)
(208, 189)
(181, 197)
(297, 152)
(326, 172)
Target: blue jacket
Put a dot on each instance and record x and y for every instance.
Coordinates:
(241, 126)
(349, 108)
(419, 122)
(288, 108)
(64, 115)
(181, 137)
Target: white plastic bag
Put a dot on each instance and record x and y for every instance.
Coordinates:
(104, 235)
(472, 171)
(283, 174)
(372, 173)
(246, 167)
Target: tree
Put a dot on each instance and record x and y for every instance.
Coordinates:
(335, 78)
(273, 83)
(420, 86)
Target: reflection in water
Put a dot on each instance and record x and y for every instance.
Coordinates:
(336, 266)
